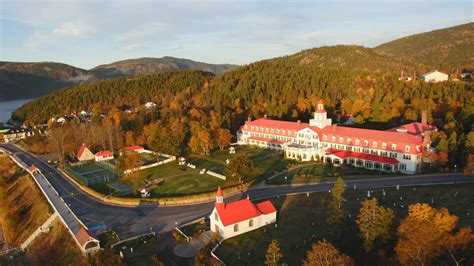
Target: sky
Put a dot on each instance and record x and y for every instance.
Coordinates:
(88, 33)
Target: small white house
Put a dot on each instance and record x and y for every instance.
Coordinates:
(150, 105)
(434, 76)
(104, 156)
(84, 154)
(145, 192)
(239, 217)
(134, 148)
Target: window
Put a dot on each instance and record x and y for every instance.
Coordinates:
(366, 143)
(349, 141)
(325, 137)
(384, 153)
(403, 166)
(394, 147)
(216, 217)
(393, 154)
(333, 139)
(406, 157)
(236, 227)
(384, 145)
(365, 150)
(357, 142)
(407, 148)
(273, 130)
(341, 140)
(251, 223)
(374, 144)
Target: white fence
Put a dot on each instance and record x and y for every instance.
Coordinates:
(216, 174)
(43, 228)
(170, 159)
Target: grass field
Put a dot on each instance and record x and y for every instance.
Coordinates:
(319, 172)
(301, 221)
(186, 181)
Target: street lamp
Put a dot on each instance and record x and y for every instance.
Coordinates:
(455, 173)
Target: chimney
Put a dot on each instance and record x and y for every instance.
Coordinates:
(265, 116)
(299, 122)
(249, 118)
(424, 117)
(334, 127)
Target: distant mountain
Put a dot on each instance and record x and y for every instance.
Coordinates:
(147, 65)
(448, 49)
(31, 80)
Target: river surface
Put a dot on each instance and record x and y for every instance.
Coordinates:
(7, 107)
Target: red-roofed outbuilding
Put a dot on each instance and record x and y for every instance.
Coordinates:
(104, 155)
(84, 154)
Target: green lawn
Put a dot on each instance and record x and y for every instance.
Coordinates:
(319, 172)
(301, 221)
(180, 181)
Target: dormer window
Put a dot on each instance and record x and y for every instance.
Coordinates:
(333, 139)
(407, 148)
(349, 141)
(384, 145)
(283, 132)
(273, 131)
(374, 144)
(394, 147)
(366, 143)
(341, 140)
(357, 142)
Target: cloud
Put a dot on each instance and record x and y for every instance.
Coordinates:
(74, 29)
(134, 47)
(65, 31)
(146, 31)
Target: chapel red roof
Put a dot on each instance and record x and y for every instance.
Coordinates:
(104, 153)
(81, 150)
(363, 156)
(242, 210)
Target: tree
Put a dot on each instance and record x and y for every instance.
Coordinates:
(426, 233)
(223, 138)
(324, 253)
(200, 142)
(239, 167)
(130, 161)
(105, 257)
(58, 136)
(458, 242)
(335, 207)
(374, 223)
(273, 255)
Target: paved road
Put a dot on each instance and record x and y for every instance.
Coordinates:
(131, 221)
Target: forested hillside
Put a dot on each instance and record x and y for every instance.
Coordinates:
(194, 107)
(449, 49)
(147, 65)
(31, 80)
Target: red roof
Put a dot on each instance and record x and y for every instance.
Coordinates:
(104, 153)
(363, 156)
(219, 192)
(277, 125)
(32, 168)
(133, 148)
(415, 128)
(82, 236)
(375, 138)
(267, 140)
(266, 207)
(81, 150)
(242, 210)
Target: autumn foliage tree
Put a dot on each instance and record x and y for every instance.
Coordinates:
(273, 255)
(374, 222)
(427, 233)
(223, 138)
(323, 253)
(239, 167)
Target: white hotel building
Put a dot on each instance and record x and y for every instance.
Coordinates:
(398, 149)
